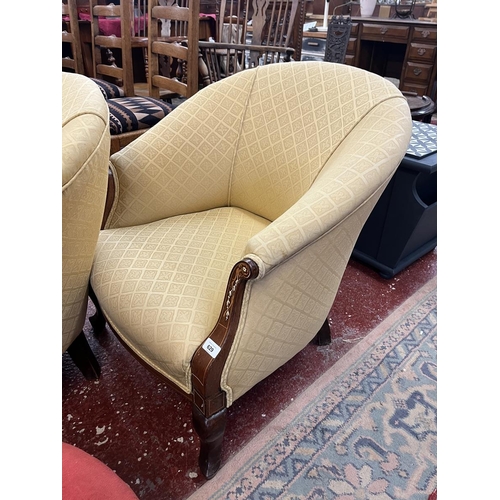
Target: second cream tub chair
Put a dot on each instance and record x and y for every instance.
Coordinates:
(85, 155)
(233, 222)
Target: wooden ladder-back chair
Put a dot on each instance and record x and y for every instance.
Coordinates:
(72, 59)
(140, 34)
(233, 221)
(173, 47)
(250, 33)
(115, 31)
(130, 115)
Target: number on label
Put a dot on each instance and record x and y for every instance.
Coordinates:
(211, 347)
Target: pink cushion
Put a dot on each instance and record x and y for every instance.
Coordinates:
(84, 477)
(109, 27)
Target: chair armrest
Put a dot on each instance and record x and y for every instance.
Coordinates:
(244, 46)
(222, 59)
(358, 170)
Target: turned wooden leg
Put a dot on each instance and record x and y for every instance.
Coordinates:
(211, 433)
(203, 71)
(83, 357)
(323, 337)
(98, 321)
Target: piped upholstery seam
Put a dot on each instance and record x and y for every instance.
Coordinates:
(83, 113)
(85, 164)
(361, 118)
(229, 188)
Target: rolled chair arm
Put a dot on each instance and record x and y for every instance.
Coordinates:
(360, 161)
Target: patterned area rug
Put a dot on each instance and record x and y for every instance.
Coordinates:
(365, 431)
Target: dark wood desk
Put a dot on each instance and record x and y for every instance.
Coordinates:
(404, 49)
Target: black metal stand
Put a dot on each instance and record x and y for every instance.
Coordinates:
(337, 39)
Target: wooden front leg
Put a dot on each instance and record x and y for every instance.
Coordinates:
(211, 433)
(209, 400)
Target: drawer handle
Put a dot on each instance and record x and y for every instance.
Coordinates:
(417, 71)
(383, 30)
(313, 44)
(421, 52)
(426, 33)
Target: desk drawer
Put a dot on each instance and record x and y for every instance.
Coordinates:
(351, 45)
(350, 60)
(312, 56)
(425, 34)
(418, 72)
(419, 89)
(420, 52)
(385, 32)
(314, 45)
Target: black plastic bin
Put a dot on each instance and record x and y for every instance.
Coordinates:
(403, 225)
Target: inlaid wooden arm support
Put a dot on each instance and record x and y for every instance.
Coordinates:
(208, 361)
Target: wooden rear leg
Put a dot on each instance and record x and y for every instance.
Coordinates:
(323, 337)
(211, 433)
(83, 357)
(97, 320)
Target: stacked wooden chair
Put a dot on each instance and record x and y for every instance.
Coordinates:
(72, 59)
(250, 33)
(130, 115)
(116, 31)
(173, 54)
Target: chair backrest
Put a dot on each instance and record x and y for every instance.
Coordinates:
(271, 21)
(251, 33)
(115, 30)
(85, 154)
(72, 53)
(173, 51)
(273, 144)
(140, 14)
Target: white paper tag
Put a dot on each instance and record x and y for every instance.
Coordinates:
(211, 347)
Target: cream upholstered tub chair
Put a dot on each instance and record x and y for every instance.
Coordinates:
(233, 222)
(85, 158)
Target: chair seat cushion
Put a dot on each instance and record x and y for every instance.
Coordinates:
(109, 90)
(127, 114)
(161, 285)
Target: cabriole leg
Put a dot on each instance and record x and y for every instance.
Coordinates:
(211, 433)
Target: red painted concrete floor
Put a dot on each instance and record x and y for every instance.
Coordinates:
(140, 428)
